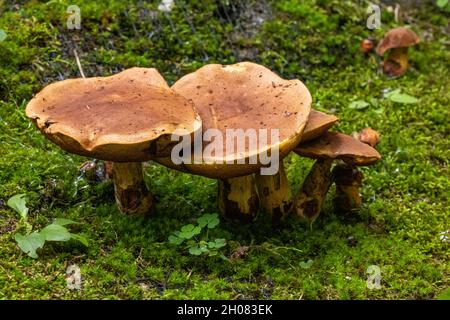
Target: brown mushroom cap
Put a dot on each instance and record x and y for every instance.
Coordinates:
(318, 123)
(368, 136)
(125, 117)
(397, 38)
(244, 96)
(335, 145)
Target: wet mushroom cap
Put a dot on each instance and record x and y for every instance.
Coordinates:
(397, 38)
(240, 97)
(123, 118)
(335, 145)
(318, 124)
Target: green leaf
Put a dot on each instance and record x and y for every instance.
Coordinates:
(175, 240)
(306, 264)
(54, 232)
(189, 230)
(196, 251)
(30, 243)
(374, 102)
(445, 295)
(358, 105)
(80, 238)
(63, 221)
(209, 220)
(19, 204)
(3, 35)
(397, 96)
(442, 3)
(217, 244)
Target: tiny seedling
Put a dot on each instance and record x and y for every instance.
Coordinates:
(196, 242)
(33, 240)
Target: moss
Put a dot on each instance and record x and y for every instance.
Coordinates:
(406, 195)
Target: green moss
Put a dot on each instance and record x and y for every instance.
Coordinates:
(406, 194)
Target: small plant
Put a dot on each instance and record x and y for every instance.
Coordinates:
(33, 240)
(198, 242)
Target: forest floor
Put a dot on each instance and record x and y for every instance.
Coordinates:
(402, 227)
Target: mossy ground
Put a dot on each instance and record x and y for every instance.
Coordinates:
(406, 194)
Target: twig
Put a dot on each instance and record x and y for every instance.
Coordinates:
(78, 63)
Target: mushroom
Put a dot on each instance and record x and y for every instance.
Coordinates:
(279, 203)
(127, 118)
(396, 41)
(368, 136)
(318, 124)
(366, 46)
(250, 98)
(327, 148)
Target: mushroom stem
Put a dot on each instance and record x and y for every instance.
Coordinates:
(348, 181)
(238, 199)
(275, 193)
(308, 203)
(132, 195)
(396, 62)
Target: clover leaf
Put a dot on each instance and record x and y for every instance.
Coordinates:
(217, 244)
(188, 231)
(209, 220)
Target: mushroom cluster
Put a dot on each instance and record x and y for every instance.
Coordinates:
(240, 121)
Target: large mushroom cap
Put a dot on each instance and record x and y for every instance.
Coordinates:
(125, 117)
(317, 125)
(334, 145)
(397, 38)
(244, 96)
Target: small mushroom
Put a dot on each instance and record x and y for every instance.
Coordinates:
(329, 147)
(246, 96)
(126, 118)
(396, 41)
(366, 46)
(368, 136)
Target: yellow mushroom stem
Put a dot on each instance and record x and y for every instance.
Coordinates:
(275, 193)
(348, 181)
(132, 195)
(396, 62)
(309, 201)
(238, 199)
